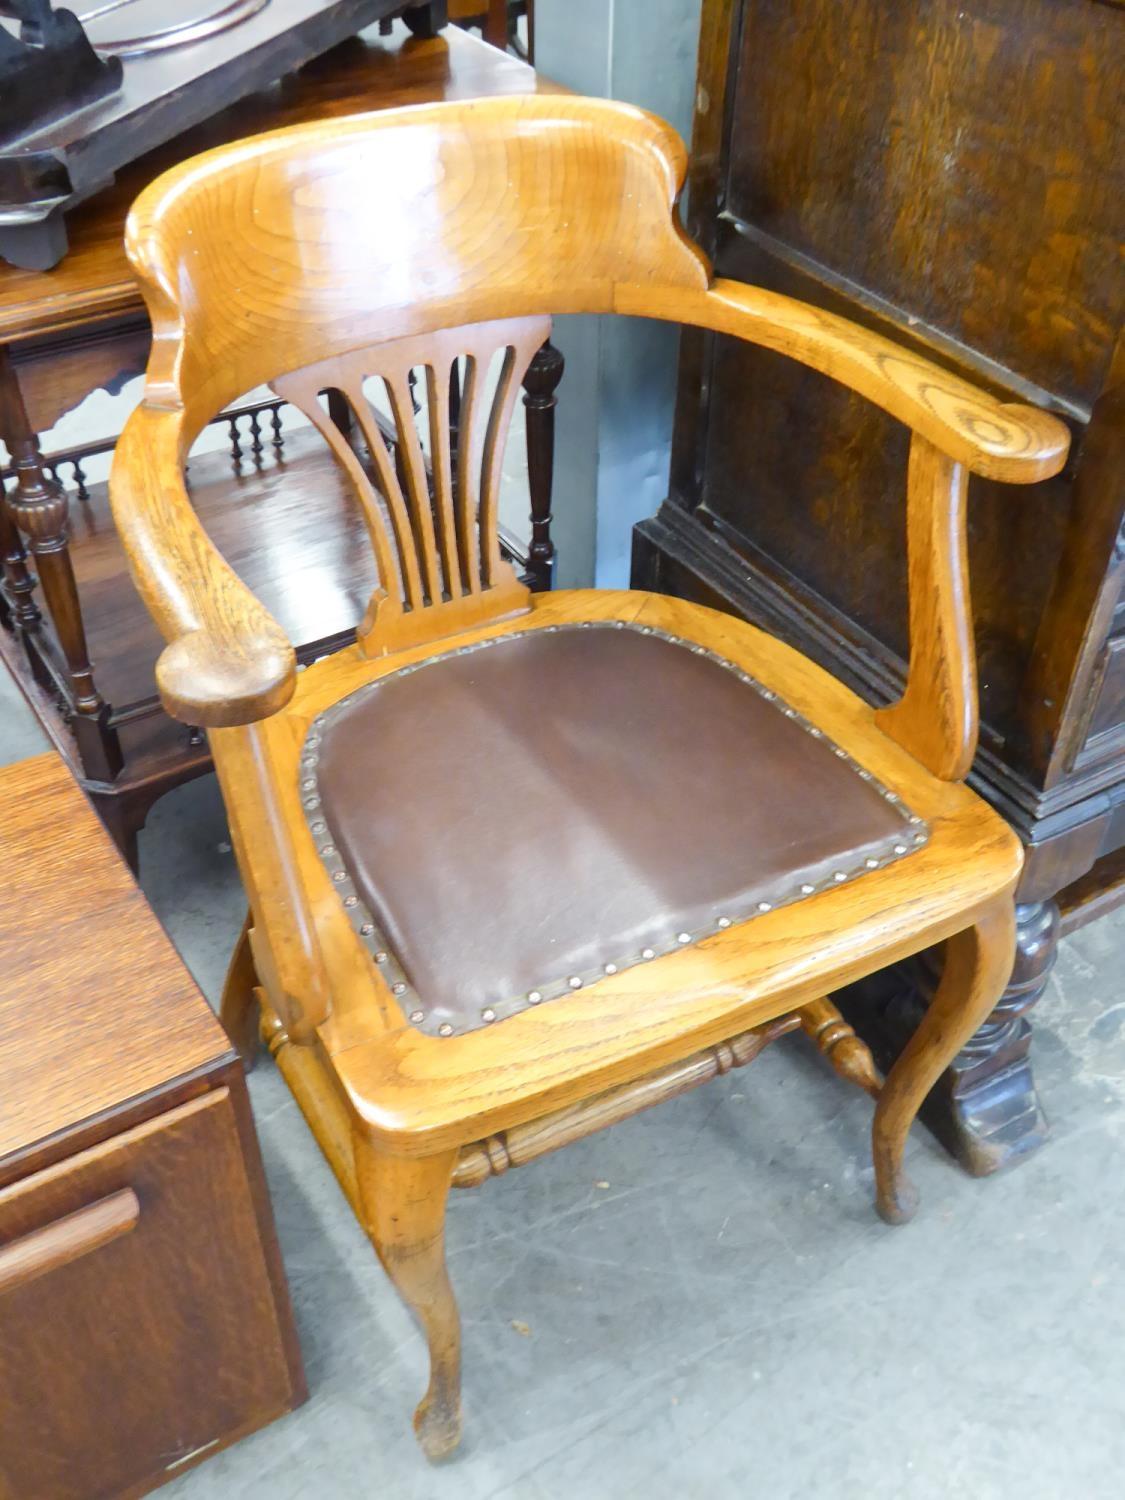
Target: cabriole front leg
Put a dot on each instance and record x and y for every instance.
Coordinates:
(984, 1109)
(403, 1201)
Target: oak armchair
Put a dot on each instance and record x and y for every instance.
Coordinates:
(724, 833)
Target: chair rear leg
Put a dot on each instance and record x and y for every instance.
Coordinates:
(978, 963)
(403, 1201)
(238, 1009)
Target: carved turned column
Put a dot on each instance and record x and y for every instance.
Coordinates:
(540, 383)
(39, 508)
(21, 585)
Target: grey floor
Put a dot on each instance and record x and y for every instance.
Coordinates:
(701, 1302)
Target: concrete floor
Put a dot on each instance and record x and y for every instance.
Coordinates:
(701, 1302)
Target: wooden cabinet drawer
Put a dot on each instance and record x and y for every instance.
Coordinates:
(136, 1322)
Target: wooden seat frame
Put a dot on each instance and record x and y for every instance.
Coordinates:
(318, 256)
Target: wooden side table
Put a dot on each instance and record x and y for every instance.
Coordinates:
(72, 629)
(144, 1317)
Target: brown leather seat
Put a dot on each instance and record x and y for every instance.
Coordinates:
(508, 822)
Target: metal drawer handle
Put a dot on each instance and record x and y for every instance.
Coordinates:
(68, 1239)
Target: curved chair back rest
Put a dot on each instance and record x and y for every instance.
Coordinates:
(260, 257)
(396, 242)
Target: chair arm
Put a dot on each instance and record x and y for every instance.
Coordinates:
(1014, 443)
(227, 661)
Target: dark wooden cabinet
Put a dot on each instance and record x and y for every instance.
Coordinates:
(951, 173)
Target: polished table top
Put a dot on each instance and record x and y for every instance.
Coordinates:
(95, 282)
(96, 1008)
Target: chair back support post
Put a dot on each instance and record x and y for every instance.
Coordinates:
(936, 719)
(290, 964)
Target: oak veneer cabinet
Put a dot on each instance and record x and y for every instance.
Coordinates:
(71, 627)
(144, 1317)
(950, 173)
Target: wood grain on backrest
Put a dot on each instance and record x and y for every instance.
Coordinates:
(260, 257)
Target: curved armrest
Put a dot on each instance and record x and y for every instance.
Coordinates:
(1016, 444)
(227, 661)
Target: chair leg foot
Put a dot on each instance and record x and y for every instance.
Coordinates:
(978, 962)
(404, 1202)
(238, 1009)
(897, 1198)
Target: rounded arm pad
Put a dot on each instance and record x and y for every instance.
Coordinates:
(227, 661)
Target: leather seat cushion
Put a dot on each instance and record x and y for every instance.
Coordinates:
(505, 821)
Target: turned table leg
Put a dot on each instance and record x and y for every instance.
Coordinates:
(38, 506)
(540, 384)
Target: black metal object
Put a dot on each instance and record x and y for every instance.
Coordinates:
(70, 119)
(48, 68)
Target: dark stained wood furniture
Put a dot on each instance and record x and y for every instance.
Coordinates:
(477, 932)
(144, 1318)
(950, 173)
(71, 627)
(161, 66)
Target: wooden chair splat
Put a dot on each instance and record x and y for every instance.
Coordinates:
(438, 380)
(459, 557)
(469, 442)
(395, 379)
